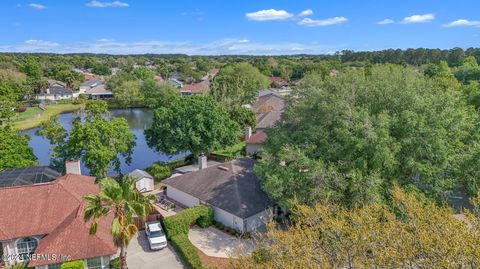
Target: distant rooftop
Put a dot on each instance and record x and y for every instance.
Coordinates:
(27, 176)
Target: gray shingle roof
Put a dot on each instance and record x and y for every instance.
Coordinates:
(92, 83)
(27, 176)
(231, 186)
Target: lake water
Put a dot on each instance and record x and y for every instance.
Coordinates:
(138, 119)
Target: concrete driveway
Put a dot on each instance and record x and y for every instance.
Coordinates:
(216, 243)
(139, 255)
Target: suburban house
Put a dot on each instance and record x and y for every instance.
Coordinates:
(175, 82)
(42, 223)
(254, 142)
(89, 84)
(27, 176)
(54, 92)
(268, 110)
(277, 82)
(99, 92)
(232, 189)
(143, 181)
(194, 89)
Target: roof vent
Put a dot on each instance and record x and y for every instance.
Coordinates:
(223, 168)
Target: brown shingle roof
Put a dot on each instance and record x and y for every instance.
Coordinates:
(257, 138)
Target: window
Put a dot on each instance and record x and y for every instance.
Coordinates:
(54, 266)
(26, 246)
(94, 263)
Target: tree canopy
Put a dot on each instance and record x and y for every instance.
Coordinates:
(97, 139)
(410, 233)
(349, 137)
(237, 84)
(14, 149)
(196, 124)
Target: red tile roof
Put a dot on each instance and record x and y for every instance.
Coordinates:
(195, 88)
(257, 138)
(54, 209)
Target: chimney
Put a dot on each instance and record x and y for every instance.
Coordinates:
(202, 162)
(73, 167)
(248, 133)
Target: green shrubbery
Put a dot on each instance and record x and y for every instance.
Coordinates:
(187, 251)
(78, 264)
(159, 171)
(177, 227)
(115, 263)
(181, 222)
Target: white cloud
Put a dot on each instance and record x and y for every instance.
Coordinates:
(385, 21)
(462, 22)
(94, 3)
(219, 47)
(37, 6)
(306, 12)
(418, 18)
(104, 40)
(268, 15)
(325, 22)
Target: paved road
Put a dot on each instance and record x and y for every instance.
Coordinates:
(139, 255)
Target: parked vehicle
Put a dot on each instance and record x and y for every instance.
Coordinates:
(156, 235)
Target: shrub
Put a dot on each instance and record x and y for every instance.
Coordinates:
(247, 235)
(78, 264)
(115, 263)
(159, 171)
(187, 251)
(181, 222)
(206, 219)
(22, 108)
(18, 265)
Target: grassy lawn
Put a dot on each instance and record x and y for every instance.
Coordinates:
(34, 116)
(231, 151)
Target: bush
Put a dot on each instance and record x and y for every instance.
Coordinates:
(18, 265)
(181, 222)
(187, 251)
(159, 171)
(78, 264)
(115, 263)
(22, 108)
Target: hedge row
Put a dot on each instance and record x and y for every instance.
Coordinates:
(187, 251)
(78, 264)
(180, 223)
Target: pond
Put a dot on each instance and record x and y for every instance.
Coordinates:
(139, 119)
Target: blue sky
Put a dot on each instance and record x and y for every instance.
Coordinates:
(212, 27)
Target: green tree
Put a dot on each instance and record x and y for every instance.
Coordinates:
(143, 73)
(14, 149)
(355, 135)
(196, 124)
(243, 116)
(159, 94)
(237, 84)
(101, 69)
(129, 93)
(97, 139)
(123, 201)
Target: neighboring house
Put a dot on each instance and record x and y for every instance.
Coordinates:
(99, 92)
(143, 181)
(89, 84)
(27, 176)
(54, 92)
(253, 143)
(277, 82)
(194, 89)
(175, 82)
(45, 222)
(232, 189)
(268, 110)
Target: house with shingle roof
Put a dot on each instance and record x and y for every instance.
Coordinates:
(42, 224)
(232, 189)
(55, 91)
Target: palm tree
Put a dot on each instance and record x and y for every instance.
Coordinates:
(123, 201)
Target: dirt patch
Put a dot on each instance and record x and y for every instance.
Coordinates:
(207, 261)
